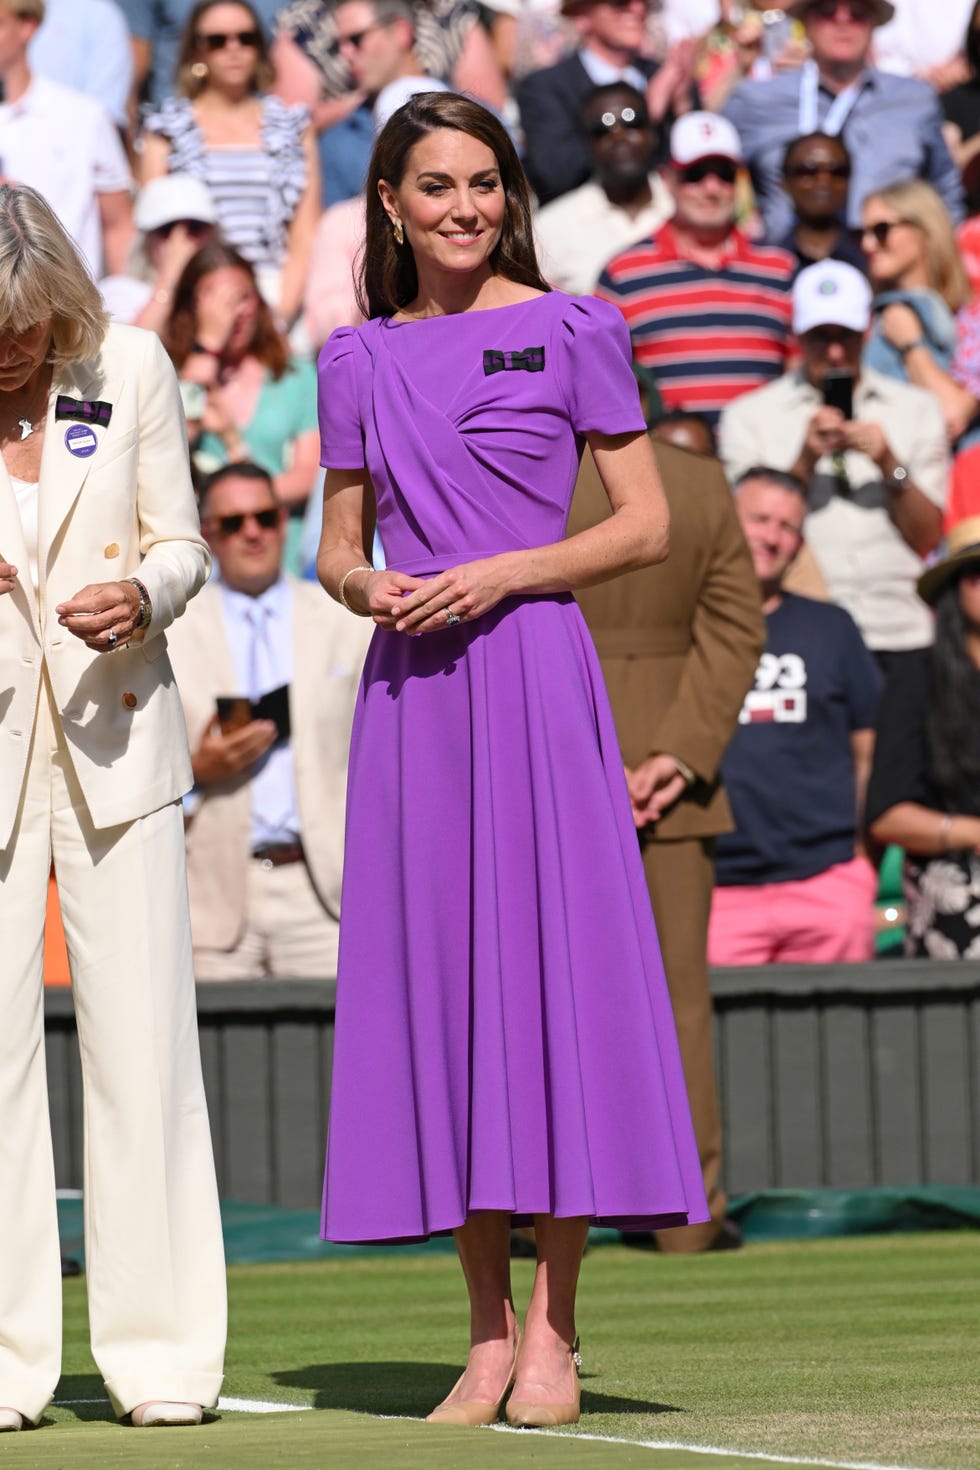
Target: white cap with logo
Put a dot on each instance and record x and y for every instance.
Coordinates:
(831, 294)
(699, 135)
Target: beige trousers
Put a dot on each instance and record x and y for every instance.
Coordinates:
(154, 1258)
(287, 934)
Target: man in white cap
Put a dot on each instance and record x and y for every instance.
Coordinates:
(708, 310)
(871, 451)
(891, 125)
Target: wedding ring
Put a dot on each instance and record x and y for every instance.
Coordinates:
(113, 640)
(452, 618)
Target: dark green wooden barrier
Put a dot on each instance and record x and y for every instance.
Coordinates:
(844, 1076)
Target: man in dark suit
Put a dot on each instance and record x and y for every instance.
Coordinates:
(612, 33)
(679, 644)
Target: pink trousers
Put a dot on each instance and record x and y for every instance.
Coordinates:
(821, 920)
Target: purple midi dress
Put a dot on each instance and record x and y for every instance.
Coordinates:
(504, 1038)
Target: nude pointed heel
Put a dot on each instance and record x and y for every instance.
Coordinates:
(472, 1412)
(529, 1414)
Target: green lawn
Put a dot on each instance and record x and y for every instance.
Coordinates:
(859, 1349)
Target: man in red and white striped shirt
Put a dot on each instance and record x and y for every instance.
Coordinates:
(709, 312)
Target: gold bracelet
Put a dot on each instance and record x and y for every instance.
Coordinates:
(343, 582)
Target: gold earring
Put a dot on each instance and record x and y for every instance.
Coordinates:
(199, 70)
(398, 231)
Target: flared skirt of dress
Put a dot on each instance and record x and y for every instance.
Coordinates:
(504, 1037)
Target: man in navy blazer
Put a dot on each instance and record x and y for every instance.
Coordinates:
(557, 156)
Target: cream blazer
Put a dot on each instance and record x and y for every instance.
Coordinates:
(126, 509)
(329, 645)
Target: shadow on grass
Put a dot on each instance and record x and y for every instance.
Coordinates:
(84, 1394)
(414, 1388)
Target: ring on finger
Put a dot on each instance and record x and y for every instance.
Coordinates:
(452, 618)
(112, 638)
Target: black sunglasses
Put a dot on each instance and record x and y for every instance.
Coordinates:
(218, 40)
(815, 169)
(722, 168)
(883, 229)
(231, 525)
(857, 10)
(627, 117)
(356, 39)
(196, 228)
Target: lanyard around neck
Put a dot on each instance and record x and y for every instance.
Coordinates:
(840, 109)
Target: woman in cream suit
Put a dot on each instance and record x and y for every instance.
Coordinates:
(99, 551)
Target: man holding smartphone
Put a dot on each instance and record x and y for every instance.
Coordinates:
(871, 450)
(268, 672)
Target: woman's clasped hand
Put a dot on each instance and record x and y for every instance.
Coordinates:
(415, 605)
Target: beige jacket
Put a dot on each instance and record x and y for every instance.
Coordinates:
(127, 508)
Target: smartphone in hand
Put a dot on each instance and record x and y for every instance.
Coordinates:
(838, 392)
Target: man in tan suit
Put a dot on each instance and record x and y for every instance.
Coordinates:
(265, 826)
(679, 644)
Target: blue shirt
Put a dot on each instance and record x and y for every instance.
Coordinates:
(893, 131)
(789, 770)
(275, 812)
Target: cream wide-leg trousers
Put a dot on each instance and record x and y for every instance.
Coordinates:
(154, 1257)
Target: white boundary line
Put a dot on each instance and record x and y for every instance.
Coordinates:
(267, 1406)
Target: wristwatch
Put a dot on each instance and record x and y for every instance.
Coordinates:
(903, 352)
(899, 478)
(146, 606)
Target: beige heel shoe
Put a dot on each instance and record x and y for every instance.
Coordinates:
(473, 1412)
(530, 1414)
(12, 1420)
(156, 1413)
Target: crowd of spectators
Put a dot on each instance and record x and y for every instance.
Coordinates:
(782, 199)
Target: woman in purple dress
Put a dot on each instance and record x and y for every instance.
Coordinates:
(505, 1049)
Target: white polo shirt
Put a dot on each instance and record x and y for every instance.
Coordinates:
(65, 145)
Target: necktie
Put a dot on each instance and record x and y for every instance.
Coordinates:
(261, 675)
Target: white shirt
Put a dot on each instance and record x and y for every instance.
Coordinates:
(603, 73)
(275, 810)
(580, 231)
(25, 493)
(66, 146)
(869, 569)
(921, 35)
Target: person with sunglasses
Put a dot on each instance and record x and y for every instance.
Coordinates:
(871, 451)
(816, 176)
(892, 125)
(268, 671)
(174, 217)
(920, 289)
(735, 336)
(625, 200)
(156, 28)
(612, 48)
(255, 154)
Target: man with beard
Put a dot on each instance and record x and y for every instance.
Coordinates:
(625, 200)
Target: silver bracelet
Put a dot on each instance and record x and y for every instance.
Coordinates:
(145, 613)
(343, 582)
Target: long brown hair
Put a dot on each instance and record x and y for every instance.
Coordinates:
(180, 333)
(189, 85)
(388, 279)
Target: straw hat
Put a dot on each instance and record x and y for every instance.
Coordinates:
(962, 551)
(881, 10)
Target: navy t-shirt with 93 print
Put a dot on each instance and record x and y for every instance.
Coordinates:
(789, 770)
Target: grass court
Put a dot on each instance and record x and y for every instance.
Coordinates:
(852, 1351)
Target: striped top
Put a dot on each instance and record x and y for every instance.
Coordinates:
(707, 335)
(255, 190)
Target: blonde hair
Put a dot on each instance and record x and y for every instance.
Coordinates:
(917, 203)
(43, 277)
